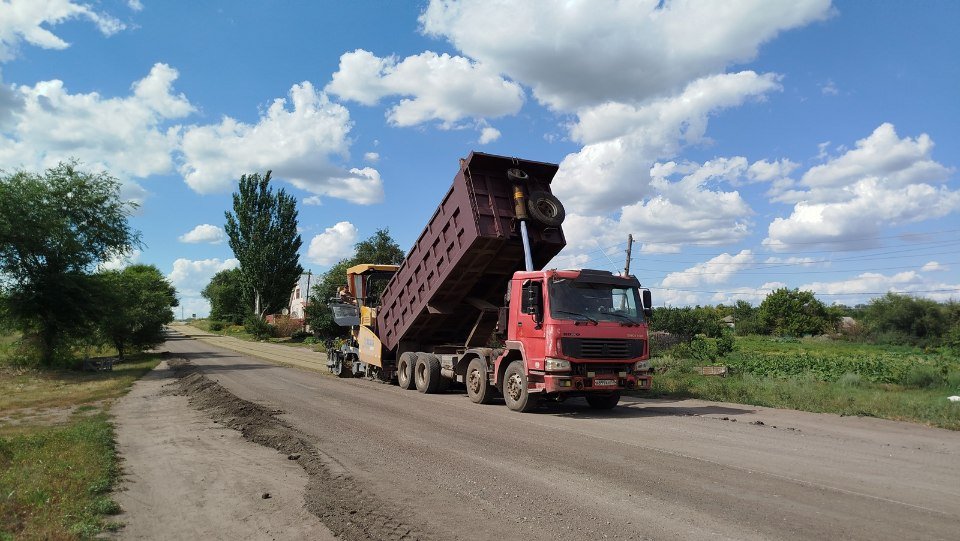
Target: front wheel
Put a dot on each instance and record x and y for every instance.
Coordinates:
(516, 392)
(603, 401)
(478, 384)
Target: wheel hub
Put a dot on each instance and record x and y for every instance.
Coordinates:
(473, 381)
(515, 387)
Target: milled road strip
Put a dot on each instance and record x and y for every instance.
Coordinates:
(349, 510)
(291, 356)
(186, 477)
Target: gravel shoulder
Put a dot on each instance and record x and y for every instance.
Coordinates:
(187, 477)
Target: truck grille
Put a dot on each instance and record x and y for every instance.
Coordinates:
(602, 348)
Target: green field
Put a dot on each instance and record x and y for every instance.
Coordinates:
(821, 375)
(57, 455)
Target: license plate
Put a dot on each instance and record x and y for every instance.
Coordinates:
(604, 383)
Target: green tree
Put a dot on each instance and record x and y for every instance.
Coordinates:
(54, 229)
(139, 301)
(263, 236)
(225, 293)
(792, 312)
(379, 248)
(745, 319)
(687, 322)
(909, 319)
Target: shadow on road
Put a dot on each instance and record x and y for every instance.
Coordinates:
(578, 408)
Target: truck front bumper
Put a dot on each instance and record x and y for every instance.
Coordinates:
(552, 383)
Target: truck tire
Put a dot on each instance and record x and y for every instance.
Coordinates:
(478, 383)
(545, 208)
(405, 365)
(426, 373)
(603, 401)
(515, 389)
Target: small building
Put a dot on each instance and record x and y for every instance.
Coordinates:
(299, 297)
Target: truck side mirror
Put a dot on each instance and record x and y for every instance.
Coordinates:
(647, 303)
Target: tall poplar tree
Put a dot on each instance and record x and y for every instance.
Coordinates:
(263, 236)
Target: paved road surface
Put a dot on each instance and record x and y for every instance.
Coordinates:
(649, 469)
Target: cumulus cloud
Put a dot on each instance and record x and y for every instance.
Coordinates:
(717, 270)
(334, 244)
(934, 266)
(191, 276)
(622, 142)
(205, 234)
(489, 135)
(297, 143)
(753, 295)
(584, 54)
(371, 157)
(885, 180)
(124, 135)
(120, 261)
(27, 21)
(872, 284)
(692, 209)
(432, 87)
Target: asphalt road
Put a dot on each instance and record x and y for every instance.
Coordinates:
(648, 469)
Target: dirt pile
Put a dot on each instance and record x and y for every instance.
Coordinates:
(332, 495)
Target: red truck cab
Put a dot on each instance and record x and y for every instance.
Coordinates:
(573, 333)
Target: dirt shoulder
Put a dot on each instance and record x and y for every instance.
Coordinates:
(187, 477)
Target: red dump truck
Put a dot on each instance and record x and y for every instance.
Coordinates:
(470, 303)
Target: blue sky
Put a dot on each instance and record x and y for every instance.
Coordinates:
(746, 146)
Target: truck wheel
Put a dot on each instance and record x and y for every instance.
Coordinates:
(603, 401)
(546, 209)
(478, 384)
(515, 391)
(405, 369)
(426, 373)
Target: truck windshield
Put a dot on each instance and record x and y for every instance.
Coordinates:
(602, 302)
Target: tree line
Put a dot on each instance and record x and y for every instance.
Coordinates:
(894, 318)
(57, 229)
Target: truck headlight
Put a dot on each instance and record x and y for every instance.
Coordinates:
(641, 366)
(556, 365)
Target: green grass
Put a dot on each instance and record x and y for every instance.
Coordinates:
(899, 383)
(57, 453)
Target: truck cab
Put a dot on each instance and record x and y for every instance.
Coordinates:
(572, 333)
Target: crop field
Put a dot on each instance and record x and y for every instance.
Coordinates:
(820, 375)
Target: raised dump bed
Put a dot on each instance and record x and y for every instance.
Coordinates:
(464, 258)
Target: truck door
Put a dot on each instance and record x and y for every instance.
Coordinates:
(529, 323)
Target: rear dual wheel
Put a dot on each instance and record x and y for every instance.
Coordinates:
(405, 366)
(426, 373)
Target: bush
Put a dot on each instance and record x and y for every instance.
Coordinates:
(284, 327)
(258, 327)
(300, 335)
(850, 380)
(216, 326)
(311, 340)
(922, 377)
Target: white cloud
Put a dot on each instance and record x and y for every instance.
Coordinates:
(581, 54)
(204, 233)
(765, 171)
(799, 261)
(884, 180)
(434, 87)
(829, 88)
(135, 5)
(688, 210)
(933, 266)
(489, 135)
(124, 135)
(120, 261)
(334, 244)
(191, 276)
(622, 142)
(753, 295)
(371, 157)
(296, 144)
(871, 284)
(717, 270)
(25, 21)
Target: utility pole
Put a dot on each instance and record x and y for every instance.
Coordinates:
(626, 268)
